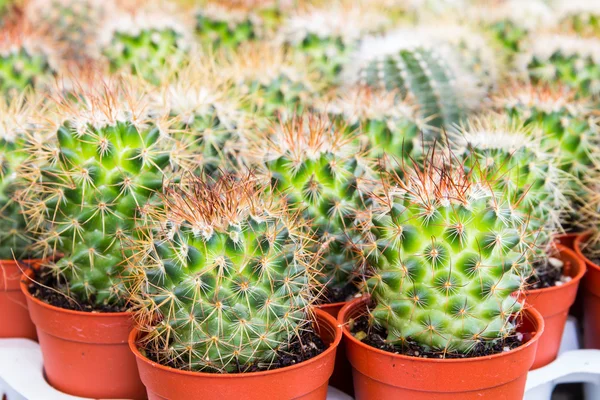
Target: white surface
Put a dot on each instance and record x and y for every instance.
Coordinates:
(21, 375)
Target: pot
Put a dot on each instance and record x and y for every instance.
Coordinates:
(554, 303)
(307, 380)
(591, 298)
(85, 353)
(14, 316)
(380, 374)
(566, 239)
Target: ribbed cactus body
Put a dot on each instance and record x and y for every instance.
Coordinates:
(447, 256)
(21, 68)
(227, 279)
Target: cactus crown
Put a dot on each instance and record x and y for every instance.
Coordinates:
(226, 277)
(446, 256)
(96, 178)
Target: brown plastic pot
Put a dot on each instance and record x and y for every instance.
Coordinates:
(380, 374)
(307, 380)
(554, 303)
(14, 316)
(85, 353)
(342, 373)
(591, 298)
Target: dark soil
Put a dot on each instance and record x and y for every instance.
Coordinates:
(44, 287)
(308, 345)
(338, 295)
(376, 338)
(545, 276)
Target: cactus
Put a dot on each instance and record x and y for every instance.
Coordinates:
(426, 68)
(580, 16)
(328, 33)
(276, 81)
(226, 277)
(232, 23)
(567, 60)
(315, 167)
(97, 175)
(384, 122)
(569, 131)
(447, 254)
(26, 58)
(16, 133)
(145, 42)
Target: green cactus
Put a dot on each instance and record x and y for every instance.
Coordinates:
(227, 276)
(566, 60)
(16, 129)
(145, 44)
(97, 178)
(447, 255)
(579, 16)
(314, 166)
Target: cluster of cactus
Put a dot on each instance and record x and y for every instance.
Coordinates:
(98, 173)
(234, 259)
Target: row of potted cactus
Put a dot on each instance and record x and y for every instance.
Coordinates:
(203, 207)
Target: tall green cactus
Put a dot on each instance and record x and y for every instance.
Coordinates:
(318, 170)
(447, 255)
(97, 177)
(226, 277)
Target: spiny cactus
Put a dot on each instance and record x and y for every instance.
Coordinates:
(145, 42)
(17, 130)
(385, 122)
(94, 179)
(581, 16)
(27, 59)
(427, 69)
(569, 130)
(515, 164)
(209, 107)
(277, 82)
(314, 166)
(447, 255)
(226, 277)
(329, 32)
(232, 23)
(565, 59)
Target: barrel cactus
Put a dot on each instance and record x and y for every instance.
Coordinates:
(569, 60)
(225, 277)
(318, 170)
(145, 42)
(430, 70)
(16, 136)
(447, 255)
(95, 181)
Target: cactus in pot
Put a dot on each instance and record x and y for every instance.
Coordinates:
(225, 277)
(447, 254)
(94, 178)
(317, 169)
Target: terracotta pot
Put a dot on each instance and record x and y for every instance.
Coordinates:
(554, 303)
(307, 380)
(380, 374)
(14, 316)
(85, 353)
(591, 298)
(567, 239)
(342, 373)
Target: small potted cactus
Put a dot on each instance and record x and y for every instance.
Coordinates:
(17, 251)
(514, 159)
(224, 287)
(447, 255)
(96, 173)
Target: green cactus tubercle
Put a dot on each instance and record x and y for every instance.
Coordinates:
(21, 69)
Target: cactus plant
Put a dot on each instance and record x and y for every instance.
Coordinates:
(318, 170)
(581, 16)
(145, 42)
(569, 60)
(447, 255)
(226, 277)
(422, 66)
(16, 133)
(94, 181)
